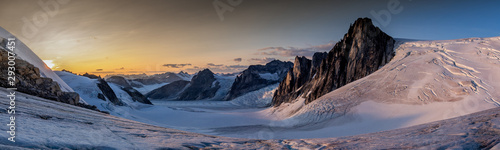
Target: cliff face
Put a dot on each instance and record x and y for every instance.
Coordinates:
(361, 52)
(257, 77)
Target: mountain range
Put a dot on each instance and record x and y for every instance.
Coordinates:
(370, 91)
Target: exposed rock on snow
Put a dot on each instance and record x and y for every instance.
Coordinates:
(257, 77)
(108, 92)
(136, 95)
(363, 50)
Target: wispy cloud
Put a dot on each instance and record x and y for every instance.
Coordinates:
(261, 60)
(237, 60)
(295, 51)
(102, 72)
(176, 65)
(237, 66)
(214, 65)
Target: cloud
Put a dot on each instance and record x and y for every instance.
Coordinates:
(103, 72)
(237, 66)
(122, 68)
(261, 60)
(238, 60)
(214, 65)
(99, 70)
(176, 65)
(295, 51)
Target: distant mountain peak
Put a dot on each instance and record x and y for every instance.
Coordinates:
(257, 77)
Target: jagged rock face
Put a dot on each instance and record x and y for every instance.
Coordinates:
(119, 80)
(168, 91)
(29, 81)
(250, 79)
(316, 61)
(202, 86)
(361, 52)
(108, 92)
(136, 95)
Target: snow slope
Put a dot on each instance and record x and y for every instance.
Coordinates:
(46, 124)
(24, 52)
(197, 116)
(426, 81)
(88, 90)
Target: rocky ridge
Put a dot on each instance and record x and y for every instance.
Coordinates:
(363, 50)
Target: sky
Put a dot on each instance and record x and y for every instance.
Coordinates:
(155, 36)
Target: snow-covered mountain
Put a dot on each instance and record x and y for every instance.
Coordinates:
(24, 52)
(107, 97)
(257, 77)
(413, 96)
(204, 85)
(426, 81)
(147, 83)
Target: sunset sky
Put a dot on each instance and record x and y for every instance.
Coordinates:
(154, 36)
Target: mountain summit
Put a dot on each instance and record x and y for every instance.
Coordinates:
(363, 50)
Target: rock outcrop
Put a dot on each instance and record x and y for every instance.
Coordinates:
(362, 51)
(202, 86)
(29, 81)
(257, 77)
(169, 91)
(108, 92)
(136, 95)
